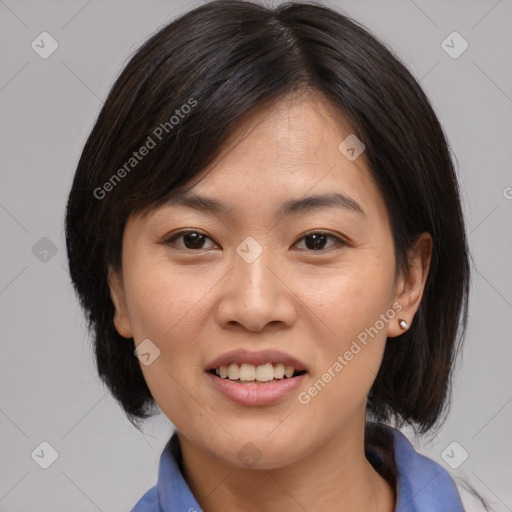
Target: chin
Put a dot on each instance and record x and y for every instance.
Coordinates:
(265, 451)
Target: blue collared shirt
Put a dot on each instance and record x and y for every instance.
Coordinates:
(422, 484)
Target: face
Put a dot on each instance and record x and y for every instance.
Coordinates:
(316, 283)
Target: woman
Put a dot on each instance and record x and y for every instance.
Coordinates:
(265, 232)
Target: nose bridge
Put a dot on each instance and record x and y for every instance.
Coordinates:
(251, 263)
(254, 296)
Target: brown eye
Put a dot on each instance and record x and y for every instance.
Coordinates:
(192, 240)
(316, 241)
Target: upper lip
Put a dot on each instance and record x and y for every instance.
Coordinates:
(256, 358)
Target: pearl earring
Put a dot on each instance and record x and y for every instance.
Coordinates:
(402, 324)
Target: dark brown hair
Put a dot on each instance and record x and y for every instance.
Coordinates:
(184, 92)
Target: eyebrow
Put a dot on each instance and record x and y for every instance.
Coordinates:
(292, 206)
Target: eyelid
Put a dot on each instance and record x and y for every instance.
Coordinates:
(339, 241)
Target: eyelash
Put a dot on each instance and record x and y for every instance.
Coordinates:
(171, 240)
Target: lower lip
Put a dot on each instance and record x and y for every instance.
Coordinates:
(256, 394)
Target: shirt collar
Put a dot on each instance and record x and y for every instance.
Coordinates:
(174, 493)
(422, 484)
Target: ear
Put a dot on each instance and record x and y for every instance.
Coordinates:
(121, 317)
(410, 285)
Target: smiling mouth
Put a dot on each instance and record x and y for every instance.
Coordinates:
(250, 374)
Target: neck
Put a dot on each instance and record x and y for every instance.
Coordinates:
(333, 476)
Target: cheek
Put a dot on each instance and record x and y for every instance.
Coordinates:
(167, 307)
(163, 302)
(350, 351)
(349, 300)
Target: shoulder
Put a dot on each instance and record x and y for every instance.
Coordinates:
(423, 485)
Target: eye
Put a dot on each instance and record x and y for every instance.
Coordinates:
(317, 240)
(191, 239)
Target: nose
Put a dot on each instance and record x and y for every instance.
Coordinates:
(256, 295)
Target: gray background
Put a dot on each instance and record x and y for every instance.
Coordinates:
(49, 389)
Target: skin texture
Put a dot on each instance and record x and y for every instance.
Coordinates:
(198, 303)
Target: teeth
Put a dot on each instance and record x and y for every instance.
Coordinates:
(265, 373)
(233, 371)
(279, 371)
(249, 372)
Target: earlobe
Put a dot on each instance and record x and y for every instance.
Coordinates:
(121, 318)
(411, 285)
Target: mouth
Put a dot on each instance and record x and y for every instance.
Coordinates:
(259, 378)
(245, 373)
(256, 386)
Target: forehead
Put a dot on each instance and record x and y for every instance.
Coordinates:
(286, 151)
